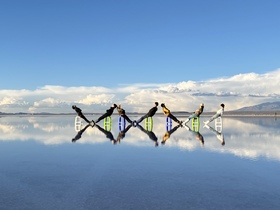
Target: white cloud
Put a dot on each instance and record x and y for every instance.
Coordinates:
(236, 92)
(7, 101)
(97, 99)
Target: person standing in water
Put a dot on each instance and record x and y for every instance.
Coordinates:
(219, 113)
(108, 113)
(80, 113)
(151, 113)
(167, 113)
(197, 113)
(122, 113)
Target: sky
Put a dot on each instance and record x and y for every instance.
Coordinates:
(179, 52)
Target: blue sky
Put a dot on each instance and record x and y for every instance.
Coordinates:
(112, 44)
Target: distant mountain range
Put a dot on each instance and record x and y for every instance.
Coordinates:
(269, 106)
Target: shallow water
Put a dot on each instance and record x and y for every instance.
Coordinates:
(42, 168)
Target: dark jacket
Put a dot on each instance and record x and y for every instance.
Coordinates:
(110, 111)
(152, 111)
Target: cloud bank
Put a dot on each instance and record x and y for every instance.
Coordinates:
(236, 92)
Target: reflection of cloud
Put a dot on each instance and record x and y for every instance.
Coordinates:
(251, 146)
(7, 128)
(248, 89)
(252, 139)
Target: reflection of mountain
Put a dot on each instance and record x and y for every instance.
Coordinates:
(253, 146)
(269, 108)
(260, 121)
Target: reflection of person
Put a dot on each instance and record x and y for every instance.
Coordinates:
(151, 113)
(197, 113)
(197, 135)
(108, 113)
(122, 113)
(122, 133)
(219, 113)
(167, 113)
(108, 134)
(151, 134)
(79, 134)
(219, 135)
(168, 134)
(80, 113)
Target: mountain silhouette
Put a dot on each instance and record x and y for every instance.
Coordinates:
(268, 106)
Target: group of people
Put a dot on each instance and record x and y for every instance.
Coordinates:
(121, 112)
(151, 113)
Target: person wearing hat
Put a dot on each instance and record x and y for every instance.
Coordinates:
(108, 113)
(80, 113)
(122, 113)
(219, 113)
(167, 113)
(151, 113)
(197, 113)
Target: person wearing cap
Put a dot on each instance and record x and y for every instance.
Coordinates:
(122, 113)
(167, 113)
(197, 113)
(219, 113)
(150, 113)
(108, 113)
(80, 113)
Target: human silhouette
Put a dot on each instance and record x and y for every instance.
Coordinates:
(108, 134)
(122, 133)
(151, 134)
(79, 134)
(80, 113)
(197, 113)
(219, 113)
(197, 134)
(167, 134)
(108, 113)
(219, 135)
(122, 113)
(150, 113)
(167, 113)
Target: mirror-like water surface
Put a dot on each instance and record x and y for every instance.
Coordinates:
(46, 163)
